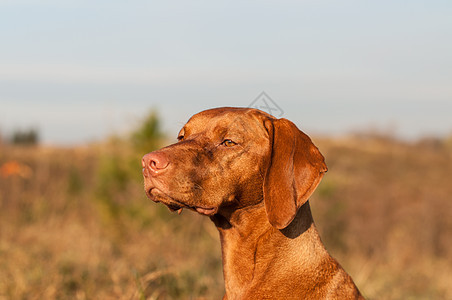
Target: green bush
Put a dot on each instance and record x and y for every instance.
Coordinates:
(119, 173)
(148, 136)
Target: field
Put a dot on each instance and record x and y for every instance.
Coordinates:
(75, 223)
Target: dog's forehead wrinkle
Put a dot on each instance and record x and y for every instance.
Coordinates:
(236, 122)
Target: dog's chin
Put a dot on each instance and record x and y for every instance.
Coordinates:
(154, 194)
(173, 204)
(157, 196)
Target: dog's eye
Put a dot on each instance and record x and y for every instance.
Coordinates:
(228, 143)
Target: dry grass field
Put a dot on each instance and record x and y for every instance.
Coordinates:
(75, 223)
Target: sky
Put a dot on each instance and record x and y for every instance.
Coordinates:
(79, 71)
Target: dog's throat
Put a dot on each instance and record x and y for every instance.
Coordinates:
(220, 222)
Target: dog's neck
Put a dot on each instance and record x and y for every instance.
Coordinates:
(248, 248)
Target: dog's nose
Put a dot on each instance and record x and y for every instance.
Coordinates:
(154, 163)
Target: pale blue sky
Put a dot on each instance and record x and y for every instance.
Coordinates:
(79, 70)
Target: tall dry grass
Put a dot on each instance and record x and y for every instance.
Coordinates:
(75, 224)
(384, 210)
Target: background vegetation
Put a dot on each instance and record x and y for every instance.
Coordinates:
(75, 223)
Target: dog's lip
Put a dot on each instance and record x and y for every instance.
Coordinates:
(206, 211)
(209, 211)
(175, 205)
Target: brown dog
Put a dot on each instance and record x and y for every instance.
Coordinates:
(253, 175)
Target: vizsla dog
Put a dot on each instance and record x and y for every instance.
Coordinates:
(252, 174)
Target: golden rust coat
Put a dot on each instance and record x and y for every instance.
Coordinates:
(252, 174)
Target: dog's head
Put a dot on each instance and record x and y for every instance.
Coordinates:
(234, 158)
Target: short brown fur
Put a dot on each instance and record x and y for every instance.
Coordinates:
(253, 175)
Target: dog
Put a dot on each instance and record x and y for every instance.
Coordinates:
(252, 174)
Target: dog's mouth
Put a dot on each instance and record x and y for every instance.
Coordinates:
(208, 211)
(157, 196)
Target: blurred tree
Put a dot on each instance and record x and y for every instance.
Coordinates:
(148, 136)
(119, 173)
(25, 137)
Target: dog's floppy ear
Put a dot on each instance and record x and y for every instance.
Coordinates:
(295, 168)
